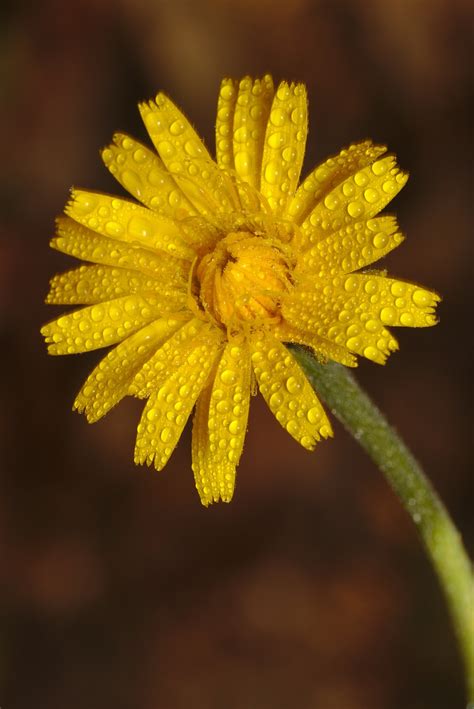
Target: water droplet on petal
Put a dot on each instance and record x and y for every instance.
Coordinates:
(388, 315)
(228, 376)
(355, 209)
(277, 117)
(165, 435)
(421, 298)
(293, 385)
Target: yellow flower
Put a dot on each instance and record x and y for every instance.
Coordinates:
(223, 262)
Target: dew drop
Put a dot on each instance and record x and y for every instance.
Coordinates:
(192, 148)
(371, 195)
(140, 227)
(421, 298)
(234, 427)
(131, 182)
(398, 289)
(276, 400)
(380, 240)
(276, 140)
(165, 149)
(371, 353)
(348, 189)
(283, 92)
(289, 155)
(380, 167)
(174, 199)
(272, 173)
(389, 186)
(297, 116)
(278, 117)
(351, 284)
(292, 427)
(331, 201)
(361, 179)
(313, 415)
(371, 286)
(139, 156)
(84, 203)
(114, 228)
(293, 385)
(355, 209)
(227, 92)
(228, 377)
(242, 163)
(222, 406)
(388, 315)
(155, 177)
(177, 127)
(256, 112)
(321, 175)
(372, 325)
(353, 343)
(407, 319)
(165, 435)
(97, 313)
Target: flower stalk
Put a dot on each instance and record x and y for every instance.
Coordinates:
(350, 404)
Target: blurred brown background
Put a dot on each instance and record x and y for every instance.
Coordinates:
(311, 589)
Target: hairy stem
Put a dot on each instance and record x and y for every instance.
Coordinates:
(350, 404)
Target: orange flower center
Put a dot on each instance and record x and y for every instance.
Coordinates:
(242, 279)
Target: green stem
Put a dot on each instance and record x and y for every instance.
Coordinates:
(339, 389)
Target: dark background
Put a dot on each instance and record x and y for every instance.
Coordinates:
(311, 589)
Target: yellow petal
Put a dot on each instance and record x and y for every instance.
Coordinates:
(252, 110)
(359, 197)
(169, 406)
(225, 122)
(288, 393)
(182, 152)
(353, 310)
(94, 284)
(144, 175)
(323, 348)
(100, 325)
(108, 383)
(351, 248)
(326, 176)
(220, 425)
(127, 221)
(284, 145)
(172, 134)
(171, 355)
(87, 245)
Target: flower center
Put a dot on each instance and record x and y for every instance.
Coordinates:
(242, 279)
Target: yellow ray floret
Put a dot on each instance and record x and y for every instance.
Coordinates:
(169, 406)
(110, 381)
(125, 221)
(83, 243)
(331, 173)
(288, 393)
(220, 425)
(350, 248)
(95, 284)
(201, 283)
(242, 114)
(284, 144)
(100, 325)
(145, 176)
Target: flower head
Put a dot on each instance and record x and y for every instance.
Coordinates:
(200, 281)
